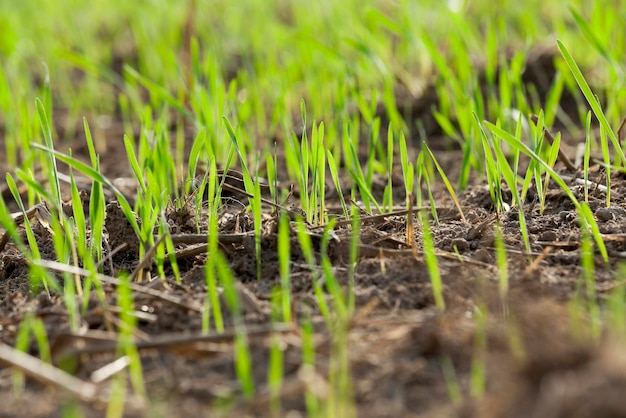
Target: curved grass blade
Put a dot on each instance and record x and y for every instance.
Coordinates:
(592, 100)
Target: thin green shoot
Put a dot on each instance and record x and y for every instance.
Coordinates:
(243, 359)
(253, 188)
(330, 280)
(354, 253)
(388, 194)
(51, 161)
(587, 265)
(357, 176)
(284, 259)
(212, 303)
(493, 169)
(606, 157)
(432, 265)
(616, 307)
(275, 368)
(596, 41)
(587, 156)
(128, 325)
(307, 370)
(34, 253)
(451, 379)
(593, 102)
(407, 169)
(423, 168)
(332, 166)
(446, 182)
(306, 246)
(552, 157)
(478, 378)
(501, 263)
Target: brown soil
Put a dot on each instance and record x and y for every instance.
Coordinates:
(539, 358)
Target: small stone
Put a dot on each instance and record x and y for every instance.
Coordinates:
(482, 255)
(548, 236)
(605, 214)
(461, 244)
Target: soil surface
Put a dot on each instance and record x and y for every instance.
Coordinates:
(405, 357)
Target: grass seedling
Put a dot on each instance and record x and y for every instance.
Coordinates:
(587, 156)
(284, 258)
(307, 250)
(307, 370)
(587, 265)
(514, 142)
(128, 325)
(51, 161)
(340, 401)
(492, 169)
(595, 40)
(355, 239)
(38, 277)
(616, 307)
(407, 169)
(357, 176)
(593, 103)
(452, 381)
(303, 162)
(408, 173)
(432, 265)
(330, 280)
(553, 154)
(65, 247)
(423, 170)
(275, 367)
(253, 188)
(445, 181)
(511, 180)
(606, 157)
(502, 263)
(22, 342)
(478, 369)
(212, 303)
(388, 194)
(243, 360)
(332, 165)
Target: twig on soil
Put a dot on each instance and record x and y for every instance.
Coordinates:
(204, 238)
(535, 264)
(202, 241)
(54, 265)
(376, 218)
(366, 250)
(94, 342)
(110, 369)
(47, 374)
(147, 259)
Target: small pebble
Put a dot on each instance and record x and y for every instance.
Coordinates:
(482, 255)
(461, 244)
(605, 214)
(548, 236)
